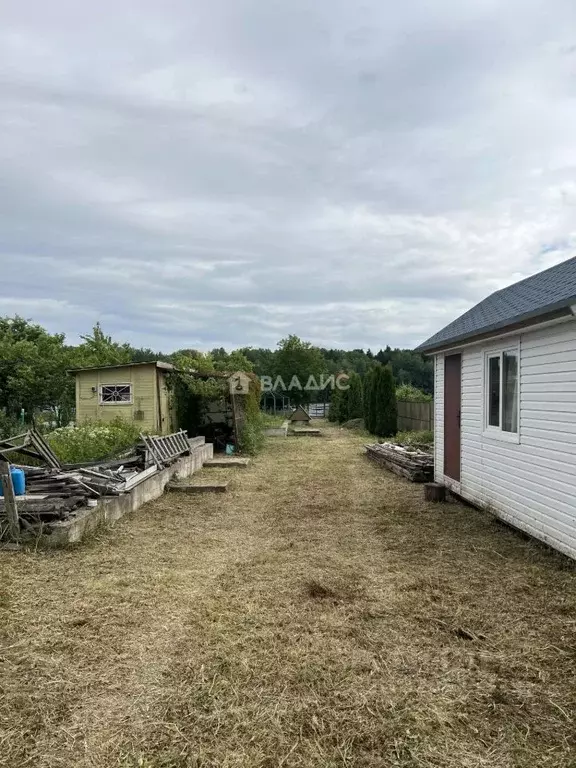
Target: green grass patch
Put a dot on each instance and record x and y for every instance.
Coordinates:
(415, 437)
(272, 420)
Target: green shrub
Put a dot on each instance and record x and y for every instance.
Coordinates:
(343, 405)
(10, 425)
(412, 394)
(251, 430)
(93, 441)
(380, 408)
(270, 420)
(335, 403)
(355, 405)
(369, 400)
(386, 421)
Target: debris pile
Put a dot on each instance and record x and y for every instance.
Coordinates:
(412, 463)
(55, 491)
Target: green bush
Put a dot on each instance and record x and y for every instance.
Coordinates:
(387, 410)
(380, 408)
(270, 420)
(335, 405)
(412, 394)
(252, 438)
(93, 441)
(251, 431)
(10, 425)
(355, 405)
(338, 411)
(369, 401)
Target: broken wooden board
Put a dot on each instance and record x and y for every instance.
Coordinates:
(216, 487)
(226, 461)
(10, 507)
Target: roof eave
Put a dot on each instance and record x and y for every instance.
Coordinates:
(545, 314)
(158, 363)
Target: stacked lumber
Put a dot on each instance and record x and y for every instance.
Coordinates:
(55, 492)
(412, 463)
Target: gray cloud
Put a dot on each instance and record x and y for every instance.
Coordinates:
(227, 174)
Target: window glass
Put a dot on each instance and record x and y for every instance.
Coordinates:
(510, 392)
(494, 391)
(116, 393)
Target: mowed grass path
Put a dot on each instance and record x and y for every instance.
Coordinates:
(319, 614)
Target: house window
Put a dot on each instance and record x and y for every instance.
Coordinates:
(501, 391)
(115, 394)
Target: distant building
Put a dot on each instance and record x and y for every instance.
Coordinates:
(136, 392)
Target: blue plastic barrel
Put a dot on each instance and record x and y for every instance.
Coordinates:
(18, 481)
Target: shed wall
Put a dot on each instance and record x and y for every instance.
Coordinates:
(530, 484)
(144, 405)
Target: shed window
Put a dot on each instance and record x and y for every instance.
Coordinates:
(115, 394)
(502, 391)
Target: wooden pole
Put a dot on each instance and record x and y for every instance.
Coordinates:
(9, 500)
(434, 492)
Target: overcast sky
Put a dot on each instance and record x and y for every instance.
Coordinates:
(224, 173)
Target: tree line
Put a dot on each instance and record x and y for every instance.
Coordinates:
(34, 366)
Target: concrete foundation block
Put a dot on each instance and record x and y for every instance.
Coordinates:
(220, 487)
(112, 508)
(227, 461)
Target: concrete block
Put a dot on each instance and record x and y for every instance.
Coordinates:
(112, 508)
(306, 431)
(227, 461)
(221, 487)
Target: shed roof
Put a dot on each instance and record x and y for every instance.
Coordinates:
(157, 363)
(550, 291)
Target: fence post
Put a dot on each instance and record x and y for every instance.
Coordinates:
(9, 501)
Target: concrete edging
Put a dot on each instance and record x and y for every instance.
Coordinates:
(277, 431)
(112, 508)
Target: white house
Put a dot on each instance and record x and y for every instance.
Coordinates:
(505, 405)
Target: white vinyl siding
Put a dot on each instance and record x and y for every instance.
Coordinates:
(530, 484)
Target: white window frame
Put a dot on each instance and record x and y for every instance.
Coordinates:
(120, 402)
(497, 433)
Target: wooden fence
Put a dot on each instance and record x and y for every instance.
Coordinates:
(415, 415)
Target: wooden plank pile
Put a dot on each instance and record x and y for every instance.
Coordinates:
(56, 492)
(412, 463)
(30, 443)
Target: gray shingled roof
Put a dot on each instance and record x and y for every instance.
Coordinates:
(551, 290)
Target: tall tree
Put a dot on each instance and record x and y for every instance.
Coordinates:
(298, 363)
(386, 414)
(99, 349)
(355, 404)
(33, 370)
(370, 401)
(334, 409)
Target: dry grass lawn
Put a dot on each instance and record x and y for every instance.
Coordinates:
(319, 614)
